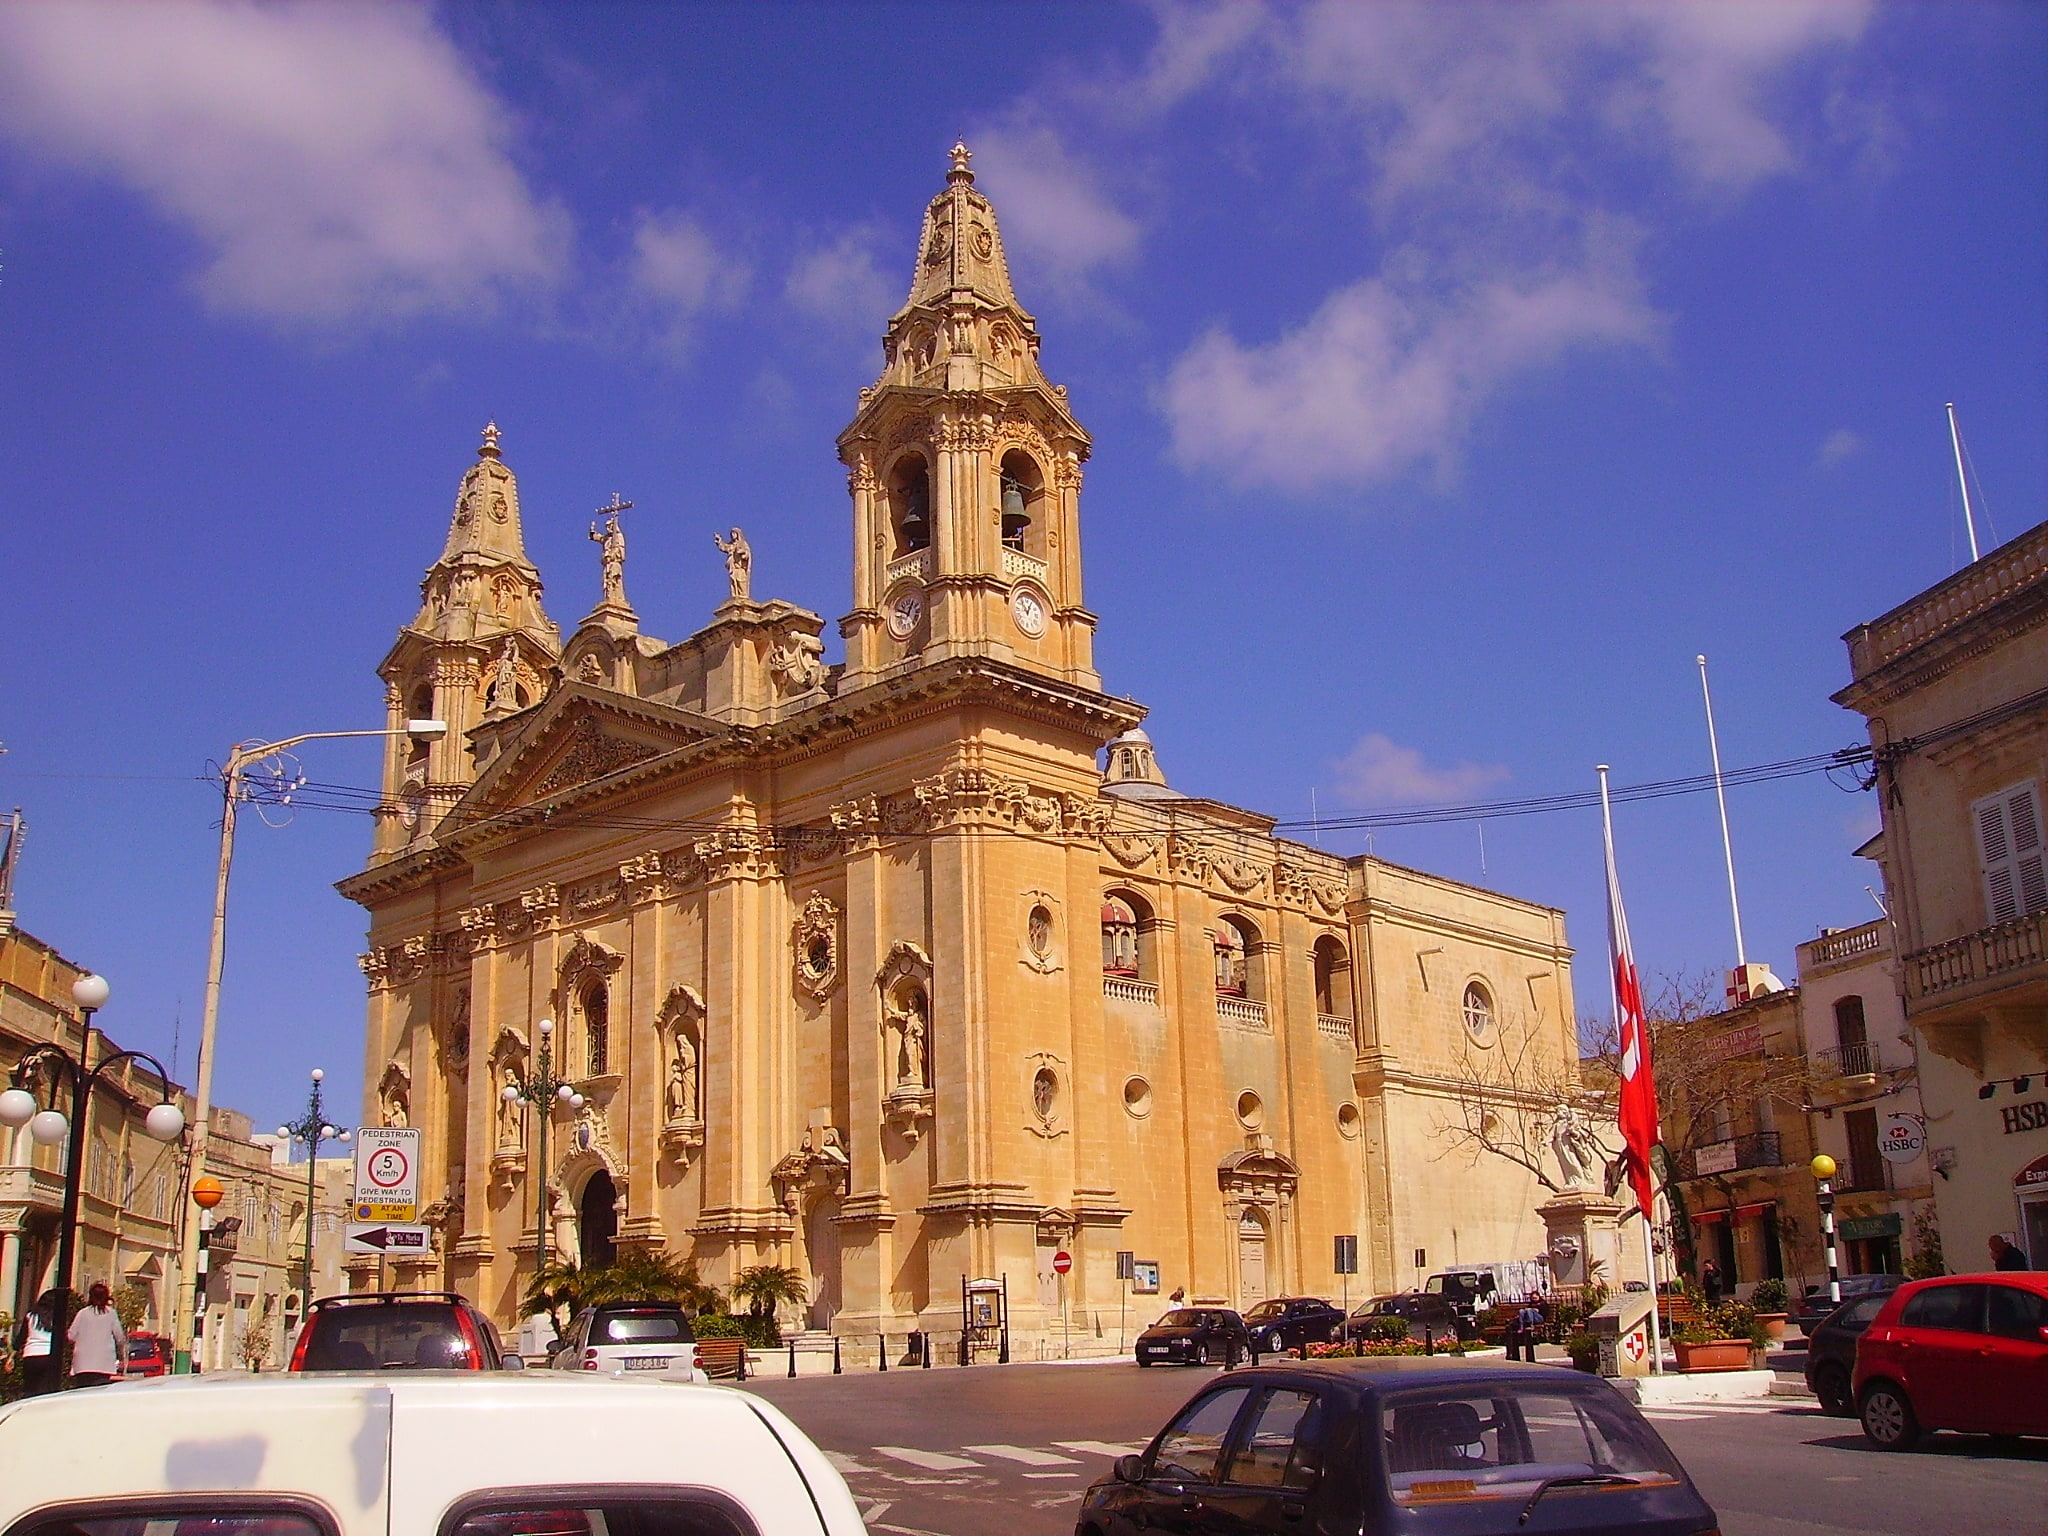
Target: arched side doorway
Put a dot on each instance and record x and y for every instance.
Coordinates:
(821, 1253)
(597, 1220)
(1258, 1187)
(1251, 1259)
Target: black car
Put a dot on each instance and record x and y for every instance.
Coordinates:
(1195, 1336)
(1831, 1353)
(1812, 1309)
(1409, 1444)
(1291, 1322)
(1429, 1316)
(399, 1330)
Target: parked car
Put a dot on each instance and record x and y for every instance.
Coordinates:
(1831, 1353)
(1466, 1289)
(399, 1330)
(459, 1454)
(1401, 1444)
(1967, 1352)
(1812, 1309)
(631, 1338)
(1428, 1316)
(1194, 1336)
(1290, 1322)
(149, 1354)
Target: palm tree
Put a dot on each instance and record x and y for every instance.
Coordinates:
(764, 1287)
(559, 1287)
(638, 1275)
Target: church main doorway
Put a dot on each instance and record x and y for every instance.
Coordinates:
(1251, 1260)
(597, 1220)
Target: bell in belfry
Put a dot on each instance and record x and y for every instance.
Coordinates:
(1015, 518)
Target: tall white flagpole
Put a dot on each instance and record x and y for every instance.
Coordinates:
(1721, 798)
(1617, 927)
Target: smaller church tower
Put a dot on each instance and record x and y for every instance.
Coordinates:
(480, 647)
(965, 468)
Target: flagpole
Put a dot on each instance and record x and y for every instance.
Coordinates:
(1721, 798)
(1617, 922)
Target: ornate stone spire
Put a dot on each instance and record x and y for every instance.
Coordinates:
(483, 584)
(962, 327)
(486, 517)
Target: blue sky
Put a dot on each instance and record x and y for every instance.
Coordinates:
(1456, 374)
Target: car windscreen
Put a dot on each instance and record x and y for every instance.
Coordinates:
(143, 1349)
(1265, 1311)
(1448, 1446)
(387, 1336)
(641, 1328)
(1184, 1318)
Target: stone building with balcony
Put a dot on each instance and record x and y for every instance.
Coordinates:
(1863, 1080)
(910, 968)
(1954, 686)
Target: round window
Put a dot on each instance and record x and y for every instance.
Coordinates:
(1348, 1121)
(1478, 1011)
(1137, 1098)
(817, 956)
(1039, 929)
(1251, 1110)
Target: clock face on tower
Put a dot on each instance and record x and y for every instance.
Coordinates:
(1028, 609)
(905, 609)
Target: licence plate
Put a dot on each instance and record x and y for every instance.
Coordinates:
(643, 1364)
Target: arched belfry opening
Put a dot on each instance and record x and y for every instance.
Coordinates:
(1023, 492)
(597, 1220)
(910, 506)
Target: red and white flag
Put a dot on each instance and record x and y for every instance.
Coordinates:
(1638, 1084)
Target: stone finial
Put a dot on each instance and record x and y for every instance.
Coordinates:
(490, 448)
(961, 155)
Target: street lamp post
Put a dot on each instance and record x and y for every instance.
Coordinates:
(312, 1129)
(18, 1107)
(238, 763)
(1823, 1168)
(541, 1090)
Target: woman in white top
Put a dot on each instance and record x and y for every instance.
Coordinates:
(33, 1338)
(99, 1344)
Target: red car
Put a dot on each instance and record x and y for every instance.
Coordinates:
(149, 1354)
(1967, 1352)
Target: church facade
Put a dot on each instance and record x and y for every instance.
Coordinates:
(915, 968)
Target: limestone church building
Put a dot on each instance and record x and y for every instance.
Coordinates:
(918, 967)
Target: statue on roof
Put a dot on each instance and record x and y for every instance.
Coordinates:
(611, 542)
(739, 563)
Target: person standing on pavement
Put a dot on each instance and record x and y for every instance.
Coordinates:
(1710, 1282)
(1528, 1329)
(34, 1342)
(2005, 1255)
(99, 1344)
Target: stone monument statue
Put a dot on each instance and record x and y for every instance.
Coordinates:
(611, 542)
(1577, 1149)
(739, 563)
(914, 1027)
(505, 681)
(682, 1081)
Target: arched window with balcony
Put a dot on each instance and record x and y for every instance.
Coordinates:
(1125, 919)
(1332, 967)
(1237, 970)
(597, 1018)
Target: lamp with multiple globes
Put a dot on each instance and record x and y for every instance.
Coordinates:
(309, 1130)
(48, 1127)
(537, 1089)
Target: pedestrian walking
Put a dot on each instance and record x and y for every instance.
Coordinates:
(2005, 1255)
(1710, 1282)
(99, 1344)
(1528, 1329)
(35, 1343)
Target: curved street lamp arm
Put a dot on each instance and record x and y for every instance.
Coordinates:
(32, 1065)
(255, 751)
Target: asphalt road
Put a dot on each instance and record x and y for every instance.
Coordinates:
(1008, 1450)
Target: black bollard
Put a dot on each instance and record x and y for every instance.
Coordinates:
(925, 1347)
(1428, 1341)
(792, 1357)
(884, 1356)
(835, 1355)
(1003, 1354)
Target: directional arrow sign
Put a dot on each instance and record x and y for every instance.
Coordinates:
(363, 1238)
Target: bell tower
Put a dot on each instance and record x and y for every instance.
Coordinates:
(480, 647)
(965, 469)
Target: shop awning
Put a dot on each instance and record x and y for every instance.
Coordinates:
(1708, 1218)
(1755, 1209)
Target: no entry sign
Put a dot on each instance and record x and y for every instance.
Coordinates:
(1062, 1262)
(387, 1174)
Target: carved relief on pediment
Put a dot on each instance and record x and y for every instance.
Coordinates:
(592, 754)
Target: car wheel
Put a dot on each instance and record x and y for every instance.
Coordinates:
(1888, 1421)
(1273, 1341)
(1831, 1386)
(1201, 1354)
(1143, 1362)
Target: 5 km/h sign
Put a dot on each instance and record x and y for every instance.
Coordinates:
(387, 1174)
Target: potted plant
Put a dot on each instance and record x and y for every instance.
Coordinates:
(1769, 1299)
(1584, 1350)
(1720, 1339)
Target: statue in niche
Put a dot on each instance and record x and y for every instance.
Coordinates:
(611, 542)
(508, 1112)
(681, 1099)
(505, 681)
(739, 563)
(396, 1115)
(1043, 1087)
(915, 1026)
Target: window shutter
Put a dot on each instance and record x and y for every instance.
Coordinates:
(2009, 844)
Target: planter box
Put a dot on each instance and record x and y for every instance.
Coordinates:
(1718, 1355)
(1774, 1323)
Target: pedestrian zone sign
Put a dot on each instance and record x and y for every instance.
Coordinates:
(387, 1174)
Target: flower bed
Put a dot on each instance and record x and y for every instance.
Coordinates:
(1378, 1349)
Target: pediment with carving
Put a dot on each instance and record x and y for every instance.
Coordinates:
(576, 740)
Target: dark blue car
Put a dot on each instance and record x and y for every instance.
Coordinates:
(1412, 1444)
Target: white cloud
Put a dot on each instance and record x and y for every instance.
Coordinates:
(843, 282)
(1838, 445)
(1052, 205)
(337, 162)
(678, 272)
(1486, 139)
(1384, 376)
(1379, 771)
